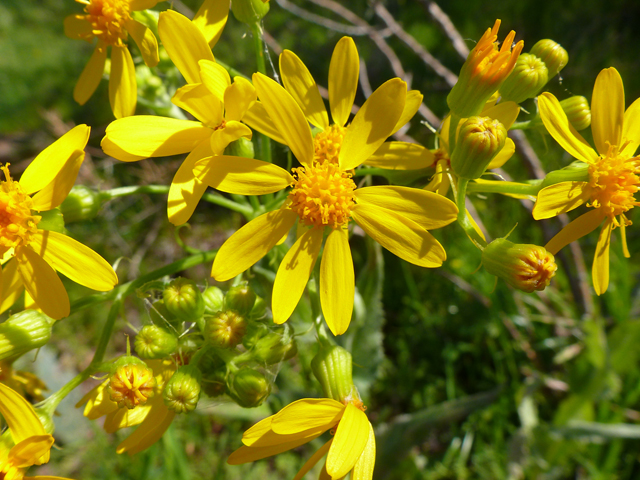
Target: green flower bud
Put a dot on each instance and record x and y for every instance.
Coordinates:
(240, 298)
(526, 80)
(552, 54)
(213, 300)
(275, 347)
(132, 382)
(82, 203)
(249, 11)
(163, 318)
(153, 342)
(182, 391)
(255, 331)
(259, 310)
(479, 140)
(214, 383)
(225, 329)
(333, 369)
(23, 332)
(577, 110)
(182, 298)
(525, 267)
(249, 388)
(240, 148)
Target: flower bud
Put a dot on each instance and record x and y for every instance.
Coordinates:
(82, 203)
(249, 11)
(259, 310)
(153, 342)
(132, 382)
(249, 388)
(332, 368)
(577, 110)
(527, 79)
(255, 331)
(213, 300)
(182, 298)
(240, 148)
(23, 332)
(225, 329)
(240, 298)
(552, 54)
(214, 383)
(182, 390)
(525, 267)
(162, 317)
(275, 347)
(479, 140)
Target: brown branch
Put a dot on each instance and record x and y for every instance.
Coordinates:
(446, 25)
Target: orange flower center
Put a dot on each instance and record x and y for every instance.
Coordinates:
(107, 19)
(327, 144)
(322, 195)
(535, 270)
(614, 181)
(131, 385)
(17, 225)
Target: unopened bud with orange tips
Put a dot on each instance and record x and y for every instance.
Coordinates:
(479, 140)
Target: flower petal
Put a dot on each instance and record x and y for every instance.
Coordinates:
(250, 454)
(185, 44)
(302, 87)
(143, 136)
(578, 228)
(98, 402)
(307, 414)
(91, 75)
(286, 116)
(54, 194)
(77, 27)
(505, 112)
(258, 119)
(344, 70)
(315, 458)
(560, 198)
(215, 77)
(31, 451)
(352, 435)
(74, 260)
(19, 415)
(556, 122)
(293, 274)
(199, 102)
(373, 123)
(48, 164)
(123, 91)
(261, 435)
(337, 281)
(232, 131)
(600, 269)
(12, 285)
(411, 106)
(399, 235)
(503, 155)
(149, 432)
(137, 5)
(607, 110)
(401, 156)
(239, 98)
(631, 129)
(211, 19)
(427, 209)
(146, 41)
(251, 243)
(363, 469)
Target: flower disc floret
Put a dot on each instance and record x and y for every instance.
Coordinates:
(132, 385)
(327, 144)
(107, 19)
(17, 224)
(322, 195)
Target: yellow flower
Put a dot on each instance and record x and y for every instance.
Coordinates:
(26, 384)
(110, 21)
(218, 104)
(152, 415)
(324, 195)
(612, 173)
(352, 448)
(36, 253)
(26, 443)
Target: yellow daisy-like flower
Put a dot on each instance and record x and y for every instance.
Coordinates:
(216, 103)
(324, 195)
(26, 443)
(352, 448)
(110, 21)
(26, 384)
(139, 405)
(612, 173)
(35, 254)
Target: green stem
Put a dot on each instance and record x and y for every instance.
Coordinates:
(258, 44)
(512, 188)
(232, 71)
(463, 220)
(453, 131)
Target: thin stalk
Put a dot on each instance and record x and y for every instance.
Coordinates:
(505, 188)
(258, 44)
(463, 220)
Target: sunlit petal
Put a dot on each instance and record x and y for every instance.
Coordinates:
(307, 414)
(600, 270)
(232, 131)
(363, 469)
(258, 119)
(199, 102)
(352, 435)
(90, 76)
(12, 285)
(54, 194)
(211, 18)
(401, 156)
(578, 228)
(560, 198)
(315, 458)
(607, 110)
(19, 415)
(631, 129)
(411, 106)
(250, 454)
(148, 433)
(505, 112)
(503, 155)
(215, 77)
(123, 92)
(344, 70)
(146, 41)
(239, 98)
(337, 281)
(31, 451)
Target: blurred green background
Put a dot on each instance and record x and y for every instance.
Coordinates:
(464, 380)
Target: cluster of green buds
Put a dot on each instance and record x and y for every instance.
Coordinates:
(23, 332)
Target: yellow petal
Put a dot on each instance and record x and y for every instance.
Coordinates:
(323, 473)
(232, 131)
(411, 106)
(185, 44)
(123, 92)
(503, 155)
(31, 451)
(315, 458)
(337, 281)
(12, 285)
(258, 119)
(53, 194)
(90, 76)
(123, 417)
(286, 116)
(149, 432)
(239, 98)
(211, 19)
(186, 190)
(261, 435)
(427, 209)
(443, 135)
(631, 129)
(623, 236)
(137, 5)
(600, 270)
(399, 235)
(293, 274)
(344, 70)
(307, 414)
(401, 156)
(48, 164)
(19, 415)
(302, 87)
(578, 228)
(363, 469)
(146, 41)
(215, 77)
(250, 454)
(556, 122)
(607, 110)
(373, 123)
(98, 402)
(560, 198)
(251, 243)
(505, 112)
(42, 283)
(74, 260)
(199, 102)
(352, 435)
(77, 27)
(145, 136)
(257, 432)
